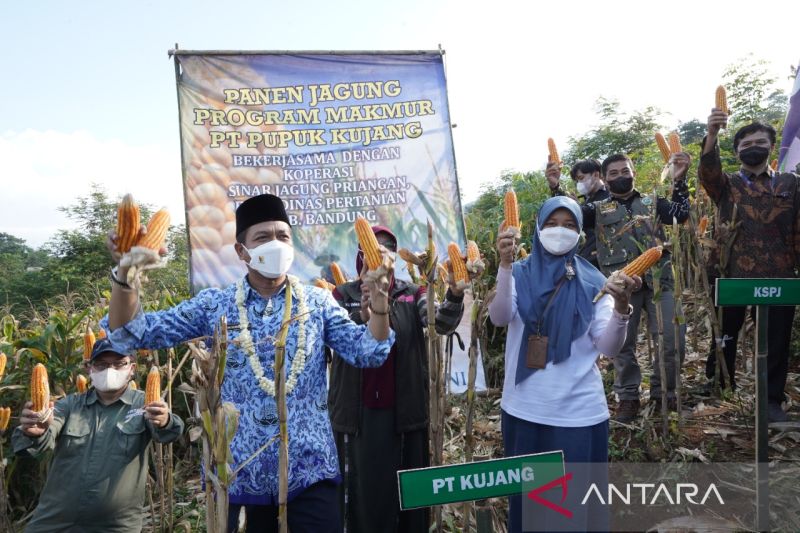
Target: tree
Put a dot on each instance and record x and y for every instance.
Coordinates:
(752, 93)
(618, 132)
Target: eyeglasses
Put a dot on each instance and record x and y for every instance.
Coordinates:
(118, 365)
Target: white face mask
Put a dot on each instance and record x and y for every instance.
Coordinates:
(272, 259)
(584, 187)
(110, 379)
(558, 240)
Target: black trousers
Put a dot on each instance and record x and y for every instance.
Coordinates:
(779, 334)
(369, 461)
(315, 510)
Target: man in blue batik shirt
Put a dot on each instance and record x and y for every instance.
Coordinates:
(254, 308)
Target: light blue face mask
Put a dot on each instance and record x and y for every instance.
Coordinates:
(271, 259)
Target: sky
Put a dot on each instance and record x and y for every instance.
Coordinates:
(88, 91)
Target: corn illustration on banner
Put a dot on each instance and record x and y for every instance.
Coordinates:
(335, 135)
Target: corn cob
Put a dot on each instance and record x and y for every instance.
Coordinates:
(40, 388)
(101, 334)
(459, 268)
(641, 264)
(127, 223)
(512, 210)
(81, 383)
(410, 257)
(473, 254)
(134, 386)
(5, 418)
(369, 243)
(3, 361)
(675, 143)
(702, 225)
(156, 231)
(338, 275)
(722, 99)
(444, 273)
(774, 165)
(88, 343)
(153, 389)
(663, 147)
(551, 148)
(324, 284)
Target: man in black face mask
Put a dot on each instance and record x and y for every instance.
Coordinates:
(625, 224)
(765, 245)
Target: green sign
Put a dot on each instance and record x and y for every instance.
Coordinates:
(438, 485)
(755, 291)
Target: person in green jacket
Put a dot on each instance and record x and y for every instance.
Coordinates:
(96, 481)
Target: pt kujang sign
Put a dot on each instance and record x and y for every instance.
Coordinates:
(425, 487)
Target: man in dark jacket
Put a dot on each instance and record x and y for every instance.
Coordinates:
(586, 175)
(765, 207)
(380, 415)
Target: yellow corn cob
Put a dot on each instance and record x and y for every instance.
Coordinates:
(512, 210)
(722, 99)
(338, 275)
(774, 165)
(641, 264)
(152, 391)
(134, 386)
(40, 388)
(369, 243)
(127, 223)
(156, 231)
(551, 147)
(701, 227)
(3, 361)
(663, 147)
(5, 417)
(324, 284)
(503, 226)
(473, 254)
(675, 143)
(81, 383)
(101, 334)
(459, 268)
(88, 343)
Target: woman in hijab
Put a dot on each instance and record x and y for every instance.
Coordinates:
(553, 396)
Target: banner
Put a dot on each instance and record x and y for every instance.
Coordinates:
(334, 135)
(789, 155)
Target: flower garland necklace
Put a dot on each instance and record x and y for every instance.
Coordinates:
(246, 339)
